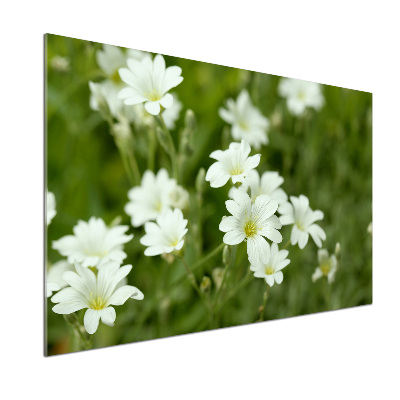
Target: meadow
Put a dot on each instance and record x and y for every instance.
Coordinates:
(324, 154)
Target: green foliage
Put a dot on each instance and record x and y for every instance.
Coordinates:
(325, 155)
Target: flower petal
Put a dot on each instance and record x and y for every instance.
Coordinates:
(152, 107)
(91, 320)
(234, 237)
(228, 224)
(108, 316)
(122, 294)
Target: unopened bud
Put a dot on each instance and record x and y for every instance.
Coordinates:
(116, 221)
(218, 276)
(190, 121)
(200, 180)
(122, 131)
(168, 257)
(226, 255)
(276, 119)
(60, 64)
(179, 197)
(337, 251)
(98, 101)
(205, 284)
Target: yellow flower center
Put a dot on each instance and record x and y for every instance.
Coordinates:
(158, 206)
(301, 95)
(97, 303)
(115, 77)
(325, 268)
(96, 253)
(243, 125)
(300, 225)
(269, 271)
(154, 95)
(237, 170)
(250, 229)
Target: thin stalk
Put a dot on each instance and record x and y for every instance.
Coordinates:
(210, 255)
(327, 294)
(152, 150)
(286, 245)
(84, 339)
(262, 307)
(244, 282)
(193, 282)
(171, 146)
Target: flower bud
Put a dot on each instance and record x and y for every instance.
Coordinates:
(168, 257)
(218, 276)
(200, 180)
(116, 221)
(179, 197)
(190, 121)
(226, 255)
(60, 64)
(337, 251)
(98, 101)
(205, 284)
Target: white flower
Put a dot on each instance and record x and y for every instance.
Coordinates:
(271, 270)
(50, 207)
(300, 95)
(96, 293)
(93, 243)
(247, 121)
(327, 266)
(110, 59)
(250, 222)
(268, 184)
(179, 197)
(171, 114)
(156, 194)
(302, 217)
(60, 64)
(233, 163)
(149, 81)
(54, 279)
(166, 235)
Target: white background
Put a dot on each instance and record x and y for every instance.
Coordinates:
(346, 354)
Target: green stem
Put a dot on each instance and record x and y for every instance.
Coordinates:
(85, 340)
(152, 150)
(133, 166)
(193, 282)
(286, 245)
(262, 307)
(327, 294)
(244, 282)
(125, 148)
(208, 256)
(171, 146)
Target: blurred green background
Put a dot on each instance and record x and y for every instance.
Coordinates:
(325, 155)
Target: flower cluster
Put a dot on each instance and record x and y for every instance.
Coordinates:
(131, 78)
(247, 121)
(92, 277)
(255, 200)
(135, 92)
